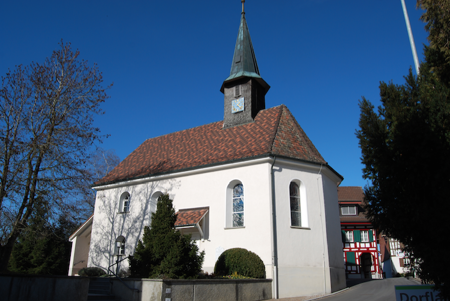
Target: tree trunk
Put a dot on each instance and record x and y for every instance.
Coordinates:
(5, 253)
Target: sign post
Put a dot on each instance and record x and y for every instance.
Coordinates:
(416, 293)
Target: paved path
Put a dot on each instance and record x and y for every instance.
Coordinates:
(374, 290)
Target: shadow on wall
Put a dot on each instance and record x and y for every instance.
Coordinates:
(111, 222)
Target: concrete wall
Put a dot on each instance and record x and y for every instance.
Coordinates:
(190, 290)
(217, 290)
(57, 288)
(43, 288)
(149, 289)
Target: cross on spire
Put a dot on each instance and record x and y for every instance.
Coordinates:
(243, 1)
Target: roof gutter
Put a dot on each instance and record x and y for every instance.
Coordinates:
(274, 234)
(218, 166)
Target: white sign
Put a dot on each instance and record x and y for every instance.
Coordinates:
(416, 293)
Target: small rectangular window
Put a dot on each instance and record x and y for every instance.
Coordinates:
(348, 236)
(348, 210)
(237, 90)
(364, 236)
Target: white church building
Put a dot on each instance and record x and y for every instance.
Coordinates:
(253, 180)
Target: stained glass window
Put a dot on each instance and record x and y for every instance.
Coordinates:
(238, 205)
(294, 194)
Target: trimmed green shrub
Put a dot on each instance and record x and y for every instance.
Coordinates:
(91, 272)
(241, 262)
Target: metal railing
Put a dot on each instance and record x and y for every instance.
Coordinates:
(117, 276)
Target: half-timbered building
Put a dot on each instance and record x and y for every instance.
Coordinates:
(359, 238)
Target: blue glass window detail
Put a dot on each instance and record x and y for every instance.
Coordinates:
(238, 205)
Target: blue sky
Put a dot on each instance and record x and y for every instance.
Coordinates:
(168, 59)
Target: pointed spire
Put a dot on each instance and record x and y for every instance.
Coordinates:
(244, 59)
(244, 62)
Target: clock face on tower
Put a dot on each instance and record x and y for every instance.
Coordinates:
(237, 105)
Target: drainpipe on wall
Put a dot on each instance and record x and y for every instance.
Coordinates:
(274, 233)
(322, 217)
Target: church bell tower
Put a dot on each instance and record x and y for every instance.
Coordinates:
(244, 89)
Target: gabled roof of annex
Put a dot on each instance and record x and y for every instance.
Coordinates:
(190, 217)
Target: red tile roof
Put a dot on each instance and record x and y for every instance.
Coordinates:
(274, 132)
(355, 195)
(188, 217)
(350, 193)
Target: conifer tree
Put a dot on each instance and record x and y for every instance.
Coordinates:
(163, 251)
(43, 248)
(405, 146)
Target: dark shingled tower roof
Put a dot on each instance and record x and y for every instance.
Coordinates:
(244, 62)
(274, 132)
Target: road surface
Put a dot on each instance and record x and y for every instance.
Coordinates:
(375, 290)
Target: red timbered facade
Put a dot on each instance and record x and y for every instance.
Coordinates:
(359, 238)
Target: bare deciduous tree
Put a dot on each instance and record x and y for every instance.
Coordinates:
(46, 132)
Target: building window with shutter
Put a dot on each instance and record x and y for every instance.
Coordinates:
(364, 236)
(348, 236)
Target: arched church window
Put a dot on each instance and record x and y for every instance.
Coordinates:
(296, 214)
(124, 204)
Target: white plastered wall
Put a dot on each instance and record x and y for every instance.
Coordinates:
(189, 190)
(304, 261)
(334, 238)
(80, 250)
(307, 255)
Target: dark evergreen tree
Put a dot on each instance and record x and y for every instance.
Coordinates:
(437, 18)
(164, 252)
(43, 248)
(405, 147)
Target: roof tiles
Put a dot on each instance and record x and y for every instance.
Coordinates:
(350, 193)
(273, 132)
(188, 217)
(355, 195)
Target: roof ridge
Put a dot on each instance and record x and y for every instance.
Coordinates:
(195, 127)
(273, 132)
(185, 130)
(309, 142)
(277, 128)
